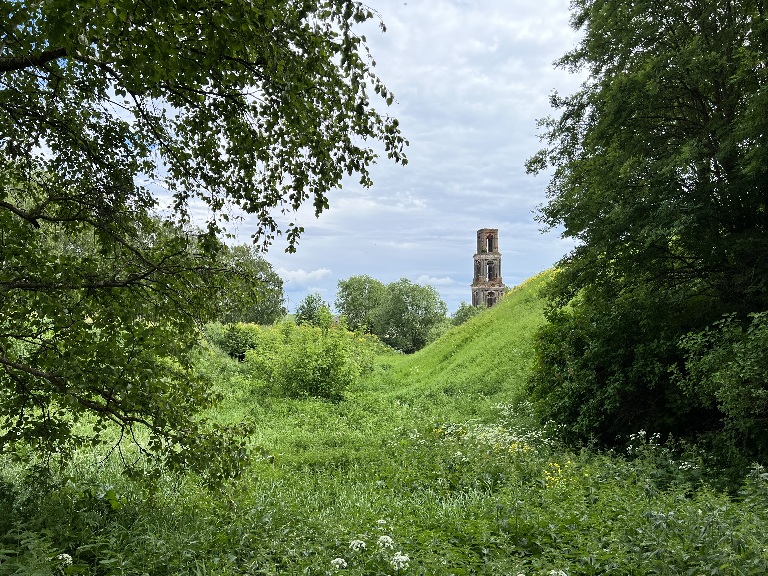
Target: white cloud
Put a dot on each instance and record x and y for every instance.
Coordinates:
(432, 281)
(300, 277)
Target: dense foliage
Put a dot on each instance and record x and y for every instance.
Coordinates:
(431, 465)
(111, 115)
(313, 310)
(97, 327)
(404, 315)
(305, 360)
(319, 359)
(253, 292)
(357, 298)
(660, 174)
(466, 312)
(408, 314)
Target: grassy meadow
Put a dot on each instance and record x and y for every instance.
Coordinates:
(430, 465)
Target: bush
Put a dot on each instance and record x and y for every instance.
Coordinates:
(234, 339)
(313, 310)
(727, 369)
(603, 370)
(214, 332)
(437, 330)
(304, 360)
(466, 312)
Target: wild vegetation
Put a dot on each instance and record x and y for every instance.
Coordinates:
(615, 427)
(431, 463)
(117, 124)
(659, 174)
(404, 315)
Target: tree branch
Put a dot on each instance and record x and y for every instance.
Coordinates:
(116, 414)
(13, 63)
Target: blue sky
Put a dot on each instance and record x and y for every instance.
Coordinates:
(470, 77)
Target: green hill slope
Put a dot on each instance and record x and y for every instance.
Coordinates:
(470, 373)
(489, 355)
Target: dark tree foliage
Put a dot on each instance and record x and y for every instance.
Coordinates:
(660, 173)
(113, 113)
(254, 291)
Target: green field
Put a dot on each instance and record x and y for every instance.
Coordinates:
(430, 465)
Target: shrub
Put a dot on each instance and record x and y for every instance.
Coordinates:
(726, 368)
(437, 330)
(240, 338)
(466, 312)
(214, 333)
(603, 370)
(313, 310)
(304, 360)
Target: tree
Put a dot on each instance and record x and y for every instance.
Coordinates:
(466, 312)
(313, 310)
(357, 298)
(659, 175)
(254, 293)
(111, 116)
(98, 332)
(408, 314)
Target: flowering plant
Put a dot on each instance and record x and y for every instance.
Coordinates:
(379, 559)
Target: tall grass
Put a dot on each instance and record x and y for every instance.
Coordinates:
(429, 465)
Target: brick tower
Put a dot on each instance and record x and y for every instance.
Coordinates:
(487, 287)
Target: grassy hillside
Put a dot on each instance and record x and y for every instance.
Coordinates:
(429, 466)
(466, 374)
(490, 354)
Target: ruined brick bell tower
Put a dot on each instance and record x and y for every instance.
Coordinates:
(487, 287)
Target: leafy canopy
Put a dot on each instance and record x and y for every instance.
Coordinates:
(253, 292)
(659, 174)
(404, 315)
(120, 121)
(408, 314)
(357, 297)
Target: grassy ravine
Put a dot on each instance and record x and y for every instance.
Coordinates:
(432, 457)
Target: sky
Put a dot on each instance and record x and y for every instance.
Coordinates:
(470, 79)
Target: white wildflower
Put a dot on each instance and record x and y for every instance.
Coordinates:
(65, 559)
(400, 561)
(561, 572)
(339, 563)
(357, 545)
(385, 542)
(381, 522)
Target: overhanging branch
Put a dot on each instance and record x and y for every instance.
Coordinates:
(13, 63)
